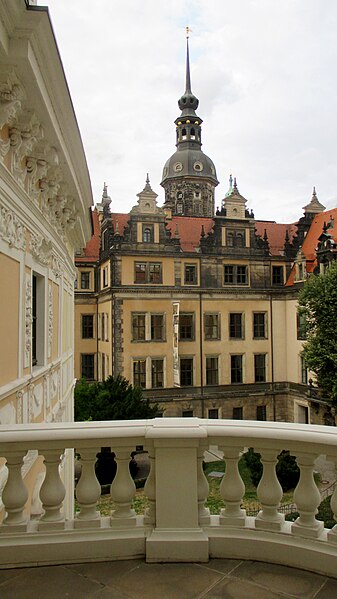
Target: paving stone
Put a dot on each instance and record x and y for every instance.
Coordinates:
(292, 581)
(169, 581)
(233, 588)
(225, 566)
(328, 591)
(105, 572)
(51, 582)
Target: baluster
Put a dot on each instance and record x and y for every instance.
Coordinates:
(232, 489)
(307, 499)
(88, 491)
(269, 492)
(52, 492)
(15, 494)
(332, 534)
(203, 489)
(150, 490)
(123, 490)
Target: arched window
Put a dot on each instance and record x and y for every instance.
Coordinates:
(183, 133)
(147, 235)
(230, 238)
(239, 240)
(192, 133)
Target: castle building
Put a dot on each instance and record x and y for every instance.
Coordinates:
(45, 199)
(199, 307)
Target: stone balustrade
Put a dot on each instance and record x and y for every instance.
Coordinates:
(176, 526)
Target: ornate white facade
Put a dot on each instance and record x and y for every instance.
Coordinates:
(45, 195)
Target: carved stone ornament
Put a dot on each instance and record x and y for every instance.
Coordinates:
(56, 266)
(28, 320)
(50, 319)
(19, 407)
(23, 135)
(41, 249)
(11, 229)
(11, 96)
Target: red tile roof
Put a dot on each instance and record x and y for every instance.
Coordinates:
(91, 250)
(276, 234)
(311, 240)
(189, 230)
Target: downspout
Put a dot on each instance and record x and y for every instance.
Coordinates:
(272, 356)
(201, 357)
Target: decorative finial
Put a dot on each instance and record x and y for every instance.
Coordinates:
(187, 32)
(202, 231)
(147, 178)
(176, 233)
(235, 187)
(230, 181)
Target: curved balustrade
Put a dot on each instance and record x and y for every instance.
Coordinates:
(176, 526)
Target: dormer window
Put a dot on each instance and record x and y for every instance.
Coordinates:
(147, 233)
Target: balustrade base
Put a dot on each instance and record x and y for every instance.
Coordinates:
(164, 545)
(264, 524)
(228, 520)
(9, 528)
(123, 522)
(332, 537)
(92, 523)
(312, 532)
(46, 525)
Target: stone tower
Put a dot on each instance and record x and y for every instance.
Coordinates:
(189, 176)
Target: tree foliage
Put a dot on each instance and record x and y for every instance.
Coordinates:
(287, 471)
(112, 399)
(318, 308)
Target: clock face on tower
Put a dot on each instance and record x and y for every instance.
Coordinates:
(177, 167)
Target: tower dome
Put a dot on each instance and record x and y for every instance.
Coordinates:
(189, 176)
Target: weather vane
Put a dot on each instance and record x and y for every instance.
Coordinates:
(188, 32)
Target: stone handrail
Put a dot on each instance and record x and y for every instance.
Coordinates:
(176, 526)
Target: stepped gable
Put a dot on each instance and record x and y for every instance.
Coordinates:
(276, 233)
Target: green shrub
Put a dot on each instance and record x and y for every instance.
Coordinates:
(287, 470)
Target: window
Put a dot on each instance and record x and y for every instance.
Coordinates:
(301, 326)
(213, 413)
(235, 274)
(277, 275)
(260, 368)
(187, 413)
(138, 326)
(238, 413)
(87, 326)
(103, 367)
(88, 366)
(212, 370)
(148, 272)
(148, 236)
(102, 327)
(186, 326)
(304, 372)
(186, 372)
(235, 238)
(212, 326)
(157, 373)
(259, 325)
(38, 320)
(191, 274)
(236, 369)
(157, 327)
(139, 373)
(261, 412)
(180, 207)
(105, 276)
(85, 280)
(236, 325)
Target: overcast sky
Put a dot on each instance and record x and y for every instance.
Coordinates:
(265, 73)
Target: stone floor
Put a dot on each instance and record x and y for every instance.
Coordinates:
(134, 579)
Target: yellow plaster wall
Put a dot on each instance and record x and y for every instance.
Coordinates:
(9, 321)
(128, 268)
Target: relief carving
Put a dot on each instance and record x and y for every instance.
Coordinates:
(50, 319)
(28, 321)
(41, 249)
(11, 229)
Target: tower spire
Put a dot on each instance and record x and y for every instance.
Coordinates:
(188, 73)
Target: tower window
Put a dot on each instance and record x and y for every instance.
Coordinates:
(180, 207)
(192, 133)
(148, 234)
(183, 133)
